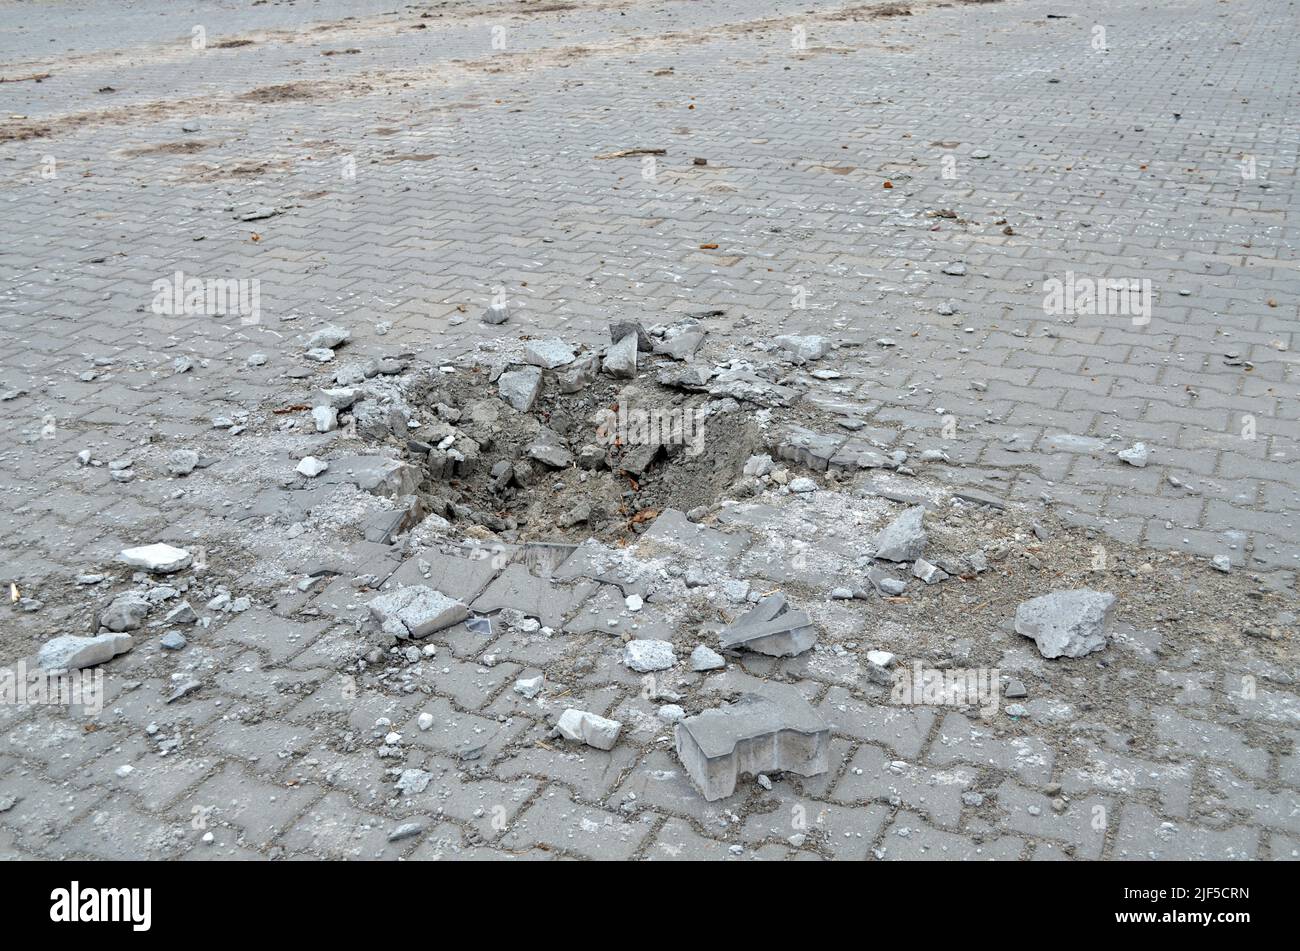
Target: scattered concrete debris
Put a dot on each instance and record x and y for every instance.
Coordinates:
(1137, 455)
(705, 658)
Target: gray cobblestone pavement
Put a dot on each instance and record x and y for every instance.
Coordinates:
(904, 180)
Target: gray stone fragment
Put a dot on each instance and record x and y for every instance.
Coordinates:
(704, 658)
(419, 609)
(126, 613)
(548, 354)
(580, 375)
(182, 614)
(930, 574)
(173, 641)
(620, 359)
(496, 313)
(771, 628)
(1137, 455)
(904, 538)
(329, 337)
(160, 559)
(645, 655)
(595, 731)
(618, 329)
(804, 348)
(1066, 623)
(681, 346)
(182, 462)
(1221, 563)
(405, 831)
(520, 388)
(777, 731)
(70, 652)
(748, 386)
(886, 583)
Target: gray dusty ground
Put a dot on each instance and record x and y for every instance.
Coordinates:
(902, 181)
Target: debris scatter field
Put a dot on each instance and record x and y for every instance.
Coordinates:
(649, 430)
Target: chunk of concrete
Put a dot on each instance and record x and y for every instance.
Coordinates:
(160, 559)
(804, 348)
(520, 388)
(705, 658)
(498, 312)
(620, 359)
(419, 609)
(70, 652)
(771, 628)
(126, 613)
(1066, 623)
(548, 354)
(777, 731)
(618, 329)
(904, 538)
(646, 655)
(584, 727)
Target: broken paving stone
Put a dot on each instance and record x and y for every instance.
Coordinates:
(705, 658)
(580, 375)
(160, 559)
(692, 377)
(885, 583)
(182, 462)
(904, 538)
(311, 467)
(339, 397)
(682, 345)
(645, 655)
(930, 574)
(548, 451)
(770, 627)
(804, 348)
(529, 687)
(808, 448)
(173, 641)
(326, 418)
(70, 652)
(498, 312)
(595, 731)
(1016, 690)
(418, 609)
(1137, 455)
(777, 731)
(520, 388)
(412, 782)
(745, 385)
(1221, 563)
(1066, 623)
(126, 613)
(620, 359)
(618, 329)
(548, 354)
(329, 337)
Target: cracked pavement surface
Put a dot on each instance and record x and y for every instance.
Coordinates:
(386, 171)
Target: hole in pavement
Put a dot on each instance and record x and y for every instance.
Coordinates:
(602, 461)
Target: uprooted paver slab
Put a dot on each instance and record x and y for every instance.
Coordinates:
(771, 627)
(774, 731)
